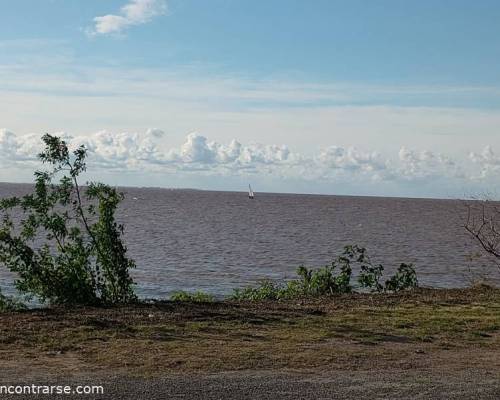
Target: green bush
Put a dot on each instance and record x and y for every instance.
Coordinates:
(369, 275)
(9, 304)
(267, 290)
(196, 297)
(404, 279)
(82, 259)
(311, 283)
(326, 281)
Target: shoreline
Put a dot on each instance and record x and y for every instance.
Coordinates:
(267, 193)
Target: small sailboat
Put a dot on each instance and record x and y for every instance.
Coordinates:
(250, 192)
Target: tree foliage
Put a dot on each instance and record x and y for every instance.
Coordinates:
(67, 248)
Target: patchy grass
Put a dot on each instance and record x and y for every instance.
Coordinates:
(348, 332)
(196, 297)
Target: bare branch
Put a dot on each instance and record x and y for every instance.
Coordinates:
(483, 224)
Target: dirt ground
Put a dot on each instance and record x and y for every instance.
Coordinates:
(427, 344)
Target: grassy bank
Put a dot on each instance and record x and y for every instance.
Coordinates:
(406, 330)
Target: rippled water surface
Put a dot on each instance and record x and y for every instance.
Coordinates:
(215, 241)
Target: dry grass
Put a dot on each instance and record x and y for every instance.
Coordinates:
(399, 331)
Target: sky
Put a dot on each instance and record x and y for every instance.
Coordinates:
(384, 98)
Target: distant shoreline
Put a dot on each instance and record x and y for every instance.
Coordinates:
(267, 193)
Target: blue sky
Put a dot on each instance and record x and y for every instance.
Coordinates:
(426, 42)
(367, 97)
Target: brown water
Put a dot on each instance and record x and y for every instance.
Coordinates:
(216, 241)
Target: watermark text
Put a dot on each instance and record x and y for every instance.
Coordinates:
(50, 390)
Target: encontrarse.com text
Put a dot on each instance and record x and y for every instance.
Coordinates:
(44, 389)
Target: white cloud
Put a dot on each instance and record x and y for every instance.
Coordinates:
(155, 132)
(487, 160)
(336, 162)
(426, 164)
(197, 150)
(136, 12)
(351, 159)
(126, 151)
(18, 149)
(132, 151)
(148, 153)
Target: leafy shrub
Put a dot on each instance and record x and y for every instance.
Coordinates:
(311, 283)
(82, 259)
(267, 290)
(405, 278)
(196, 297)
(369, 277)
(9, 304)
(326, 281)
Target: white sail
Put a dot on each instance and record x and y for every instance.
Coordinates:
(250, 192)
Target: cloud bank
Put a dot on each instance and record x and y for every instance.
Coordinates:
(136, 12)
(487, 160)
(128, 152)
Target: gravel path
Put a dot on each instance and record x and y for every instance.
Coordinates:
(281, 385)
